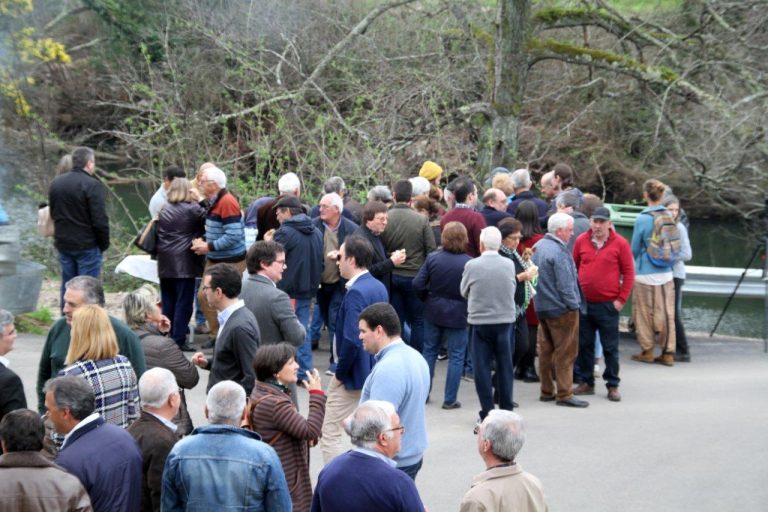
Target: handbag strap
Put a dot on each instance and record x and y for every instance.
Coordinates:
(251, 406)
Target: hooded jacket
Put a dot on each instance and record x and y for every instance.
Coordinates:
(303, 256)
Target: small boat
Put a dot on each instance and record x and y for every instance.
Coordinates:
(720, 282)
(624, 215)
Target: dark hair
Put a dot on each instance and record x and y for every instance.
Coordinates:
(226, 277)
(454, 237)
(262, 252)
(528, 214)
(588, 204)
(173, 171)
(73, 393)
(360, 248)
(22, 430)
(403, 190)
(270, 359)
(81, 156)
(509, 226)
(372, 208)
(462, 187)
(381, 314)
(424, 202)
(565, 173)
(654, 188)
(435, 193)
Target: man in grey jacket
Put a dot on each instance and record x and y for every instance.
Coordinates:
(488, 284)
(557, 305)
(270, 305)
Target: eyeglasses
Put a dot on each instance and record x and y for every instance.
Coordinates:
(204, 287)
(280, 262)
(401, 428)
(325, 206)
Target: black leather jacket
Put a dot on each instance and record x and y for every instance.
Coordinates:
(178, 224)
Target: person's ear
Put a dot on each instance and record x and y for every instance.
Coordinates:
(205, 411)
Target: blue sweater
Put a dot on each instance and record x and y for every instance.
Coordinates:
(354, 364)
(401, 377)
(641, 236)
(356, 481)
(108, 462)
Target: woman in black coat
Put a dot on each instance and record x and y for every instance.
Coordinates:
(179, 222)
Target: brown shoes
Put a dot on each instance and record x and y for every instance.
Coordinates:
(646, 356)
(614, 395)
(584, 389)
(667, 359)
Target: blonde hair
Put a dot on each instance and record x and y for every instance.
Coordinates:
(139, 304)
(92, 335)
(178, 192)
(503, 182)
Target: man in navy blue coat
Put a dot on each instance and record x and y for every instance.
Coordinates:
(353, 363)
(105, 458)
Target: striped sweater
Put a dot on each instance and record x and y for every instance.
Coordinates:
(224, 230)
(275, 418)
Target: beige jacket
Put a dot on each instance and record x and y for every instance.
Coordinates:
(30, 482)
(503, 489)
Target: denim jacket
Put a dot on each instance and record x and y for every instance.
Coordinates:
(221, 467)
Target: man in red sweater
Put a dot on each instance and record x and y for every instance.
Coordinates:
(465, 193)
(606, 274)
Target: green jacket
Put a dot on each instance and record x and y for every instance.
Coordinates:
(409, 230)
(57, 345)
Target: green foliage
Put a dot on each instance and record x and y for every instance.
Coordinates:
(37, 322)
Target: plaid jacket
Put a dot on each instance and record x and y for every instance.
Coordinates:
(115, 385)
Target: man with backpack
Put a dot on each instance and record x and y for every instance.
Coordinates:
(655, 245)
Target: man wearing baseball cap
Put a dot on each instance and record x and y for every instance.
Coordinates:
(606, 273)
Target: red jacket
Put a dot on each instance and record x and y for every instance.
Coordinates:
(605, 274)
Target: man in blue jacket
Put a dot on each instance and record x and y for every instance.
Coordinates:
(353, 364)
(303, 244)
(104, 457)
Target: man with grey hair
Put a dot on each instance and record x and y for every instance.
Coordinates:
(77, 201)
(488, 284)
(154, 431)
(224, 236)
(352, 210)
(289, 185)
(570, 203)
(521, 181)
(557, 302)
(380, 193)
(82, 290)
(104, 457)
(12, 395)
(366, 478)
(222, 466)
(503, 485)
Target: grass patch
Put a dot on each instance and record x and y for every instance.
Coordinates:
(36, 322)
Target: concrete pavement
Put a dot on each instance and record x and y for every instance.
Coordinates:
(690, 437)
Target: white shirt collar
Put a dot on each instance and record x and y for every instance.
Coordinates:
(224, 315)
(374, 453)
(164, 421)
(5, 361)
(354, 279)
(88, 419)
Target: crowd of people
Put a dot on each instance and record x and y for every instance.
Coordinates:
(417, 274)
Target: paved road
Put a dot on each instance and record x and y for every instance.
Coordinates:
(691, 437)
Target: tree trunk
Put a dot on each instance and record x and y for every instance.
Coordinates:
(510, 75)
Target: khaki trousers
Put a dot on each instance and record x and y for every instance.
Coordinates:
(211, 316)
(653, 308)
(340, 403)
(558, 340)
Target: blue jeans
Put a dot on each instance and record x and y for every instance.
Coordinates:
(457, 348)
(329, 297)
(78, 263)
(412, 470)
(602, 317)
(409, 309)
(199, 316)
(316, 326)
(178, 297)
(304, 352)
(493, 342)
